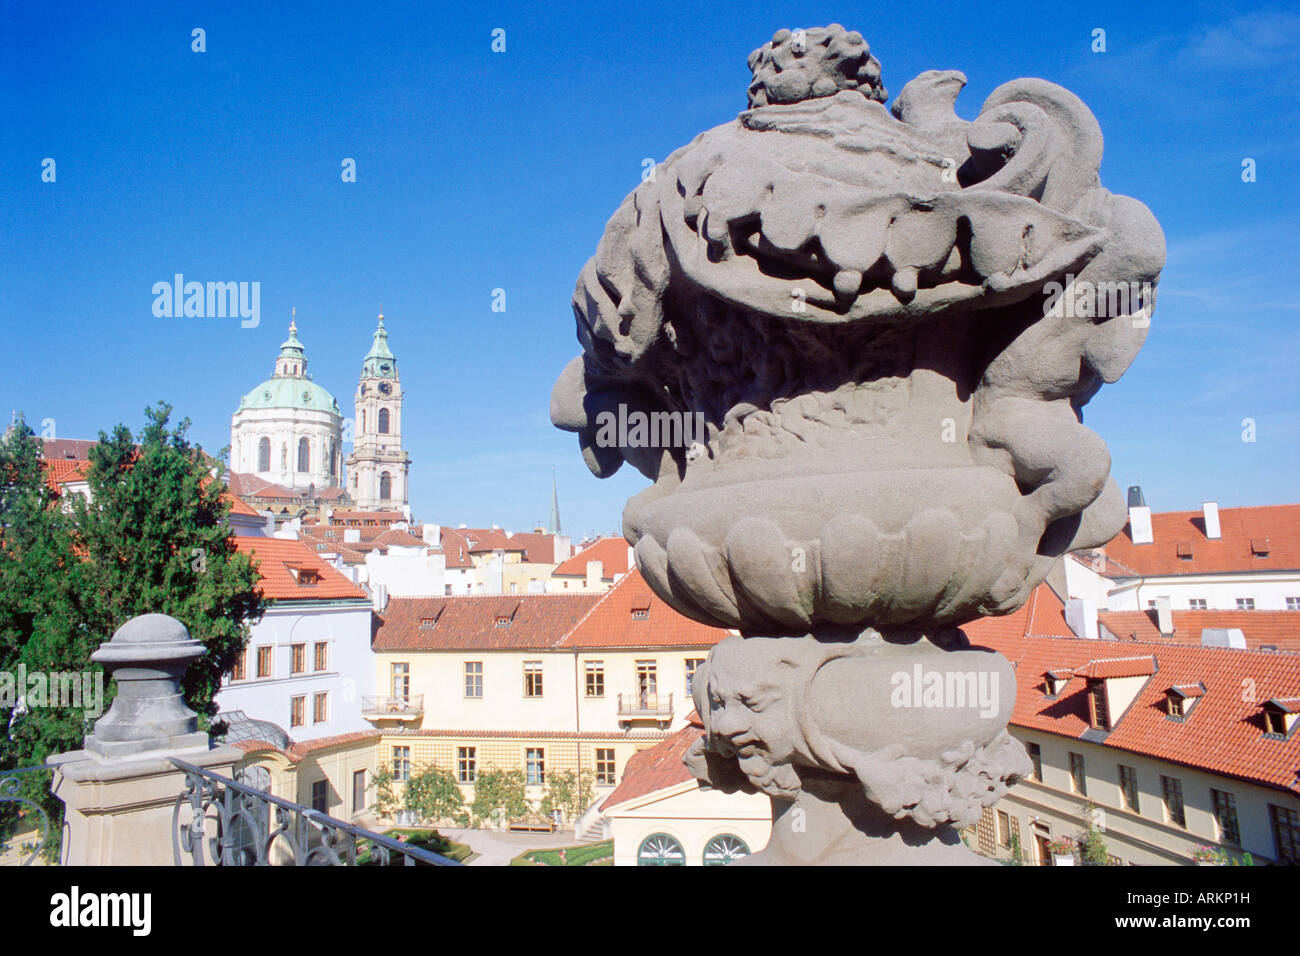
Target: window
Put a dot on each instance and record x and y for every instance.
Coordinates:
(692, 665)
(334, 458)
(1286, 833)
(446, 589)
(605, 775)
(1175, 705)
(1245, 604)
(535, 766)
(595, 678)
(358, 791)
(297, 711)
(264, 455)
(385, 486)
(240, 670)
(1035, 758)
(466, 764)
(264, 662)
(532, 678)
(1098, 710)
(321, 656)
(474, 679)
(1225, 814)
(304, 455)
(1173, 791)
(1197, 604)
(1078, 778)
(1128, 788)
(1293, 604)
(320, 708)
(383, 421)
(723, 849)
(647, 683)
(401, 673)
(660, 850)
(1004, 830)
(640, 614)
(320, 796)
(402, 763)
(297, 658)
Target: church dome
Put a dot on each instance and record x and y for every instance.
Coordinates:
(298, 393)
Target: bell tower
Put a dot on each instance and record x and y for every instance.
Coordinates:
(378, 466)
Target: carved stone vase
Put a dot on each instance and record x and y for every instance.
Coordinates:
(850, 346)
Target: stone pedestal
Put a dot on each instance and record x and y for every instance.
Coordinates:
(119, 791)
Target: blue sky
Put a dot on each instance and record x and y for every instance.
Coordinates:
(478, 170)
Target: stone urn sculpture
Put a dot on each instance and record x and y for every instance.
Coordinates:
(850, 346)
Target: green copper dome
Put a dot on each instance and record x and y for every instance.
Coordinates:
(289, 393)
(290, 387)
(379, 361)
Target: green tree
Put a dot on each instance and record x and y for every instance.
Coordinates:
(1092, 843)
(568, 792)
(156, 540)
(499, 794)
(433, 795)
(387, 802)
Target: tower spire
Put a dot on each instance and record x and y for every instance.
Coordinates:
(554, 526)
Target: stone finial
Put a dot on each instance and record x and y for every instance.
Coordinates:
(148, 655)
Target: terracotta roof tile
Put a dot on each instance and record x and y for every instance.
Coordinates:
(612, 553)
(1279, 524)
(278, 559)
(658, 767)
(1279, 629)
(631, 615)
(481, 622)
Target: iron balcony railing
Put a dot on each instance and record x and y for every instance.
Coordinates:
(392, 708)
(233, 824)
(24, 823)
(643, 704)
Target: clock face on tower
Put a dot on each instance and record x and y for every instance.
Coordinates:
(386, 388)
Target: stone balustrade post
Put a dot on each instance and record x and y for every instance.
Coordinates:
(120, 788)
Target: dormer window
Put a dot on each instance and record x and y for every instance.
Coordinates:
(1098, 705)
(503, 620)
(1180, 700)
(1184, 550)
(427, 622)
(640, 613)
(1055, 681)
(1280, 715)
(1259, 547)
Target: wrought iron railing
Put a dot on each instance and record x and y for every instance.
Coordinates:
(638, 704)
(29, 810)
(240, 825)
(394, 707)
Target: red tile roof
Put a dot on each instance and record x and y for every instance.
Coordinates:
(245, 485)
(67, 448)
(658, 767)
(1101, 669)
(535, 622)
(277, 559)
(530, 734)
(1223, 733)
(299, 750)
(631, 615)
(1280, 629)
(61, 470)
(612, 553)
(1278, 524)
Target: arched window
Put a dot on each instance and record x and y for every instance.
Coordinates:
(334, 458)
(264, 455)
(304, 455)
(385, 486)
(363, 420)
(383, 421)
(723, 849)
(660, 849)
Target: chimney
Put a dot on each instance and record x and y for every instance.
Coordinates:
(595, 571)
(1164, 617)
(432, 534)
(1139, 522)
(379, 597)
(1081, 617)
(1211, 512)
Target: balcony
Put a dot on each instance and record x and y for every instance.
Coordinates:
(642, 705)
(410, 707)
